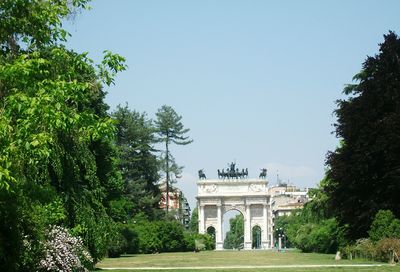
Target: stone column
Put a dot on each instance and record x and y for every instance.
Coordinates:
(270, 225)
(201, 219)
(264, 230)
(218, 232)
(247, 228)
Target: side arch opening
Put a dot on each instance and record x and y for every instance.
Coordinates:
(211, 232)
(256, 237)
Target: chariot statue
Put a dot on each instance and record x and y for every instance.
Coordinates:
(232, 172)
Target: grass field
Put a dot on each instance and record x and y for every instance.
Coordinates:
(250, 261)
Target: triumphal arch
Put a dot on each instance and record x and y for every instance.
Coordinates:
(233, 190)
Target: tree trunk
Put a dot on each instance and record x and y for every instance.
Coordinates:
(167, 175)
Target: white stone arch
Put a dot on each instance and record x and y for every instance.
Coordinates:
(248, 196)
(233, 208)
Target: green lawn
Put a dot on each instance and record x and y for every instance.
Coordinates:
(211, 260)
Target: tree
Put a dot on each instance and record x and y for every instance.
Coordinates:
(56, 137)
(137, 162)
(364, 172)
(385, 225)
(28, 25)
(312, 228)
(194, 221)
(170, 130)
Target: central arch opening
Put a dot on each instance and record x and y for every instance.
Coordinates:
(233, 229)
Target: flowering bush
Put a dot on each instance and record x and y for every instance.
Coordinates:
(388, 249)
(64, 252)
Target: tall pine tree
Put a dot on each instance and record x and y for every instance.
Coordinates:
(171, 131)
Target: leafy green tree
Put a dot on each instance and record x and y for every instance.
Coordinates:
(137, 162)
(311, 228)
(309, 234)
(319, 237)
(56, 138)
(364, 172)
(385, 225)
(171, 131)
(285, 224)
(235, 236)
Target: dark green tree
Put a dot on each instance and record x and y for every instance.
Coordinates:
(137, 161)
(170, 129)
(364, 172)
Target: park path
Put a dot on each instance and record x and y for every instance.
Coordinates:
(245, 267)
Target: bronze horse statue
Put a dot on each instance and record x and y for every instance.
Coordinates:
(201, 174)
(263, 173)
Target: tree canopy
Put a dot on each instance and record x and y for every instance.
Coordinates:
(364, 172)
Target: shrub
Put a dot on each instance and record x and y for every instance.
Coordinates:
(117, 246)
(64, 252)
(131, 238)
(365, 249)
(198, 242)
(320, 237)
(155, 236)
(388, 249)
(149, 240)
(171, 236)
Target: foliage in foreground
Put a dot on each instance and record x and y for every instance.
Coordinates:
(57, 163)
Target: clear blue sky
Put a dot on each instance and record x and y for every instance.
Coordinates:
(255, 81)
